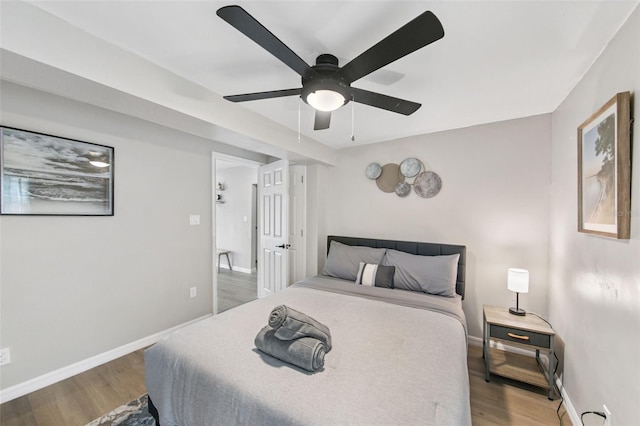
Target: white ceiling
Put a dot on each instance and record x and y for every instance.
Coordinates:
(498, 60)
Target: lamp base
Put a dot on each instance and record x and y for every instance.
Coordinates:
(516, 311)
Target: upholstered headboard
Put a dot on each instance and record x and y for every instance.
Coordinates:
(423, 249)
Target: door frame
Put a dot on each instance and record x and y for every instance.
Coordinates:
(241, 161)
(298, 210)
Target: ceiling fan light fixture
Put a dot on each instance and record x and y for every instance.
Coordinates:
(325, 100)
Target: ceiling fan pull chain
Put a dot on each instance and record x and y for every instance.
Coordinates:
(299, 100)
(353, 114)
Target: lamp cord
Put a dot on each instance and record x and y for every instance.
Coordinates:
(555, 370)
(597, 413)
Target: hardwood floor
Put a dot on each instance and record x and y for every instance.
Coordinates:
(80, 399)
(235, 288)
(507, 402)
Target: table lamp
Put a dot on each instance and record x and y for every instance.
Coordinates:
(518, 281)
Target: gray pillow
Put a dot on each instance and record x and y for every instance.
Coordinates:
(343, 261)
(427, 274)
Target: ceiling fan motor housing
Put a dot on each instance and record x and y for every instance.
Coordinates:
(323, 78)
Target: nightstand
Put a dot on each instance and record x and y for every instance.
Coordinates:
(527, 332)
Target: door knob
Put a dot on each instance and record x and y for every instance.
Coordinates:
(284, 246)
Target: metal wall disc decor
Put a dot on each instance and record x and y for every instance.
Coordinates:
(403, 189)
(410, 167)
(427, 184)
(392, 178)
(389, 178)
(374, 170)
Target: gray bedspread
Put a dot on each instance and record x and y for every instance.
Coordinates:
(398, 358)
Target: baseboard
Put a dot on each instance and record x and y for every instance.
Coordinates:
(568, 405)
(55, 376)
(571, 411)
(239, 269)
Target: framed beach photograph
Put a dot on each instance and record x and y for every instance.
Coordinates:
(48, 175)
(604, 170)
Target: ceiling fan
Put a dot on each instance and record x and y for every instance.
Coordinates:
(327, 86)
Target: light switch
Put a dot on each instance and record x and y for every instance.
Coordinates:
(245, 219)
(194, 219)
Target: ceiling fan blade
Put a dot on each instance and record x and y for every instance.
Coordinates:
(421, 31)
(249, 26)
(263, 95)
(322, 121)
(389, 103)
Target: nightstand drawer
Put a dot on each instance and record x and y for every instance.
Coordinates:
(520, 336)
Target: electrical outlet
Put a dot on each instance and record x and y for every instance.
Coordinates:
(193, 291)
(5, 356)
(607, 421)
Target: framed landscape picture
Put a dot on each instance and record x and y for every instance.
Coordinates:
(604, 170)
(49, 175)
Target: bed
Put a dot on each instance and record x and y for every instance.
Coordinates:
(398, 356)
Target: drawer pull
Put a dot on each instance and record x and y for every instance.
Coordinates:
(517, 336)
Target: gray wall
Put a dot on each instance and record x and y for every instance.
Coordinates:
(595, 281)
(76, 287)
(494, 200)
(232, 232)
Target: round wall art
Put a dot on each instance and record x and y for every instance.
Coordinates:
(373, 171)
(427, 184)
(403, 189)
(389, 178)
(410, 167)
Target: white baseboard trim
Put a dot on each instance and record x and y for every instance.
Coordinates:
(60, 374)
(571, 411)
(239, 269)
(568, 405)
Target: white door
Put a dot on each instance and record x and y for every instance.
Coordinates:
(273, 206)
(297, 222)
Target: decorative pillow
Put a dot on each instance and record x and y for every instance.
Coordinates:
(375, 275)
(428, 274)
(343, 261)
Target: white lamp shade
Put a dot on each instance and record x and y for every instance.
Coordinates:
(325, 100)
(518, 280)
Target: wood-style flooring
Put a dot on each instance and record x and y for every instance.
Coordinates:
(82, 398)
(235, 288)
(507, 402)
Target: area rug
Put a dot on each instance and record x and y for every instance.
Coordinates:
(134, 413)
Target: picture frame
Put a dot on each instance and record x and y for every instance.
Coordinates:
(604, 170)
(48, 175)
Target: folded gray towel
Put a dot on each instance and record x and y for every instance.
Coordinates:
(291, 324)
(306, 352)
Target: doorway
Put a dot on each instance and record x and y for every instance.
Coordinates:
(235, 266)
(236, 217)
